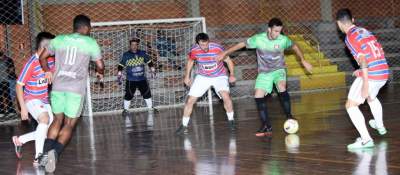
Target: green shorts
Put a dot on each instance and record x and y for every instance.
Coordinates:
(266, 81)
(69, 103)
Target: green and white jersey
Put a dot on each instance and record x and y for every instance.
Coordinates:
(72, 54)
(270, 56)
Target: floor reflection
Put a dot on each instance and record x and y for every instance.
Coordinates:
(209, 163)
(366, 157)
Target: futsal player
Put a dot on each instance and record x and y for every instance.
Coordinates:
(72, 53)
(133, 61)
(370, 78)
(270, 46)
(210, 73)
(32, 95)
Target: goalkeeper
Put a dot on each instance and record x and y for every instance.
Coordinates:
(134, 62)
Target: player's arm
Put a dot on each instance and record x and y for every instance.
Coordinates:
(150, 63)
(100, 66)
(364, 74)
(231, 67)
(121, 64)
(19, 89)
(188, 70)
(300, 54)
(224, 54)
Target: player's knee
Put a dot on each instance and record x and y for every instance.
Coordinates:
(225, 95)
(370, 100)
(350, 103)
(44, 118)
(191, 100)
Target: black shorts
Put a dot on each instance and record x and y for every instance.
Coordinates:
(131, 86)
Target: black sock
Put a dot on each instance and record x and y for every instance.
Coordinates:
(58, 147)
(48, 145)
(285, 101)
(263, 112)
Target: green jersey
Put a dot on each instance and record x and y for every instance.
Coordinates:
(72, 54)
(270, 56)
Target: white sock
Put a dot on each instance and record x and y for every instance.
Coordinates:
(185, 121)
(149, 103)
(41, 135)
(230, 115)
(27, 137)
(127, 104)
(359, 122)
(376, 109)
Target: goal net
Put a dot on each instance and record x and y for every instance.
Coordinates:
(166, 41)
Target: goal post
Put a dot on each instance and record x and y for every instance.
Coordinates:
(166, 41)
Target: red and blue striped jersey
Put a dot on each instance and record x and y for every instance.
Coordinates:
(205, 61)
(32, 77)
(363, 44)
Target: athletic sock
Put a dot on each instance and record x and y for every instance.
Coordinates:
(359, 122)
(229, 115)
(149, 103)
(263, 112)
(185, 121)
(127, 103)
(285, 101)
(27, 137)
(41, 134)
(58, 147)
(376, 109)
(48, 145)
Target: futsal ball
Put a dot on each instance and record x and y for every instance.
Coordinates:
(291, 126)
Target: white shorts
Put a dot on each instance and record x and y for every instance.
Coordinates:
(355, 89)
(37, 107)
(201, 84)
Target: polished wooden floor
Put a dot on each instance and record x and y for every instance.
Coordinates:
(145, 143)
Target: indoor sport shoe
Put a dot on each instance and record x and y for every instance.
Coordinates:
(125, 112)
(264, 131)
(42, 159)
(182, 130)
(18, 147)
(358, 144)
(381, 131)
(50, 166)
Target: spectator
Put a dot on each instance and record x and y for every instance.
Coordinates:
(6, 104)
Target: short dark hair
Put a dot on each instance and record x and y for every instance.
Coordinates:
(81, 21)
(202, 37)
(344, 15)
(42, 36)
(134, 40)
(275, 22)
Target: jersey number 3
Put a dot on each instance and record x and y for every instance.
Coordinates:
(70, 56)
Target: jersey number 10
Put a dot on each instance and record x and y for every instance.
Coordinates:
(70, 56)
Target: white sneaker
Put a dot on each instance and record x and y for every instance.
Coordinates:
(359, 143)
(372, 124)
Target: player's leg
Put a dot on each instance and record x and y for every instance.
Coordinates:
(376, 107)
(200, 86)
(42, 113)
(58, 107)
(284, 97)
(264, 85)
(356, 116)
(145, 91)
(221, 86)
(130, 89)
(73, 109)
